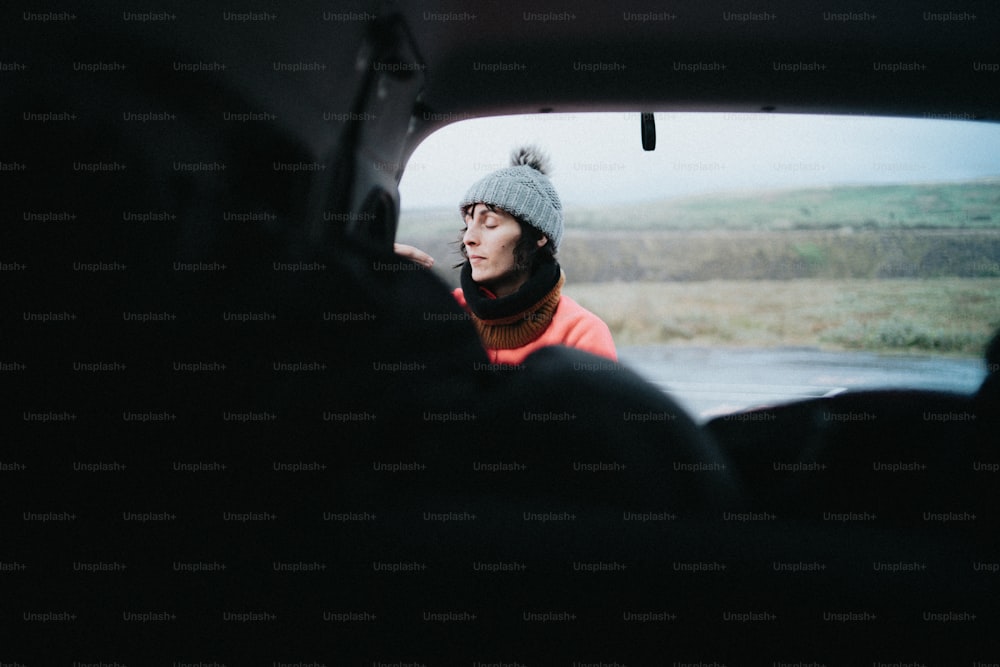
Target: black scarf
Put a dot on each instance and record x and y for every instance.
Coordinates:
(529, 294)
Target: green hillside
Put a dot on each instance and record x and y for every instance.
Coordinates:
(871, 232)
(966, 205)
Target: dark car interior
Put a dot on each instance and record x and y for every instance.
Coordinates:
(219, 382)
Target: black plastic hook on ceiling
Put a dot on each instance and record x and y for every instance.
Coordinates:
(648, 127)
(648, 131)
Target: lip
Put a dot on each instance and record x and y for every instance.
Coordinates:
(475, 258)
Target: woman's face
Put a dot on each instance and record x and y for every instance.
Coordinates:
(490, 238)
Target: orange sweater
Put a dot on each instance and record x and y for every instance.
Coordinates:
(572, 325)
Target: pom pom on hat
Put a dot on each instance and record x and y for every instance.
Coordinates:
(531, 156)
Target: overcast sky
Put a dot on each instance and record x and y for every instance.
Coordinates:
(598, 158)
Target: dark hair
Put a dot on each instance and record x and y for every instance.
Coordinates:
(527, 254)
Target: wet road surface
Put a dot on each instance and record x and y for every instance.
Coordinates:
(714, 381)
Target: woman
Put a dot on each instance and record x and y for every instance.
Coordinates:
(511, 281)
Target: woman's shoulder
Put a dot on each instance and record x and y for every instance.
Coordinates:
(569, 308)
(574, 316)
(578, 327)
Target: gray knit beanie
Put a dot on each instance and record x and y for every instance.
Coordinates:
(524, 191)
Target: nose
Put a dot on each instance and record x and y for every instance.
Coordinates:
(470, 237)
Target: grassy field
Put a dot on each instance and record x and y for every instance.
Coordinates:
(943, 315)
(907, 268)
(771, 255)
